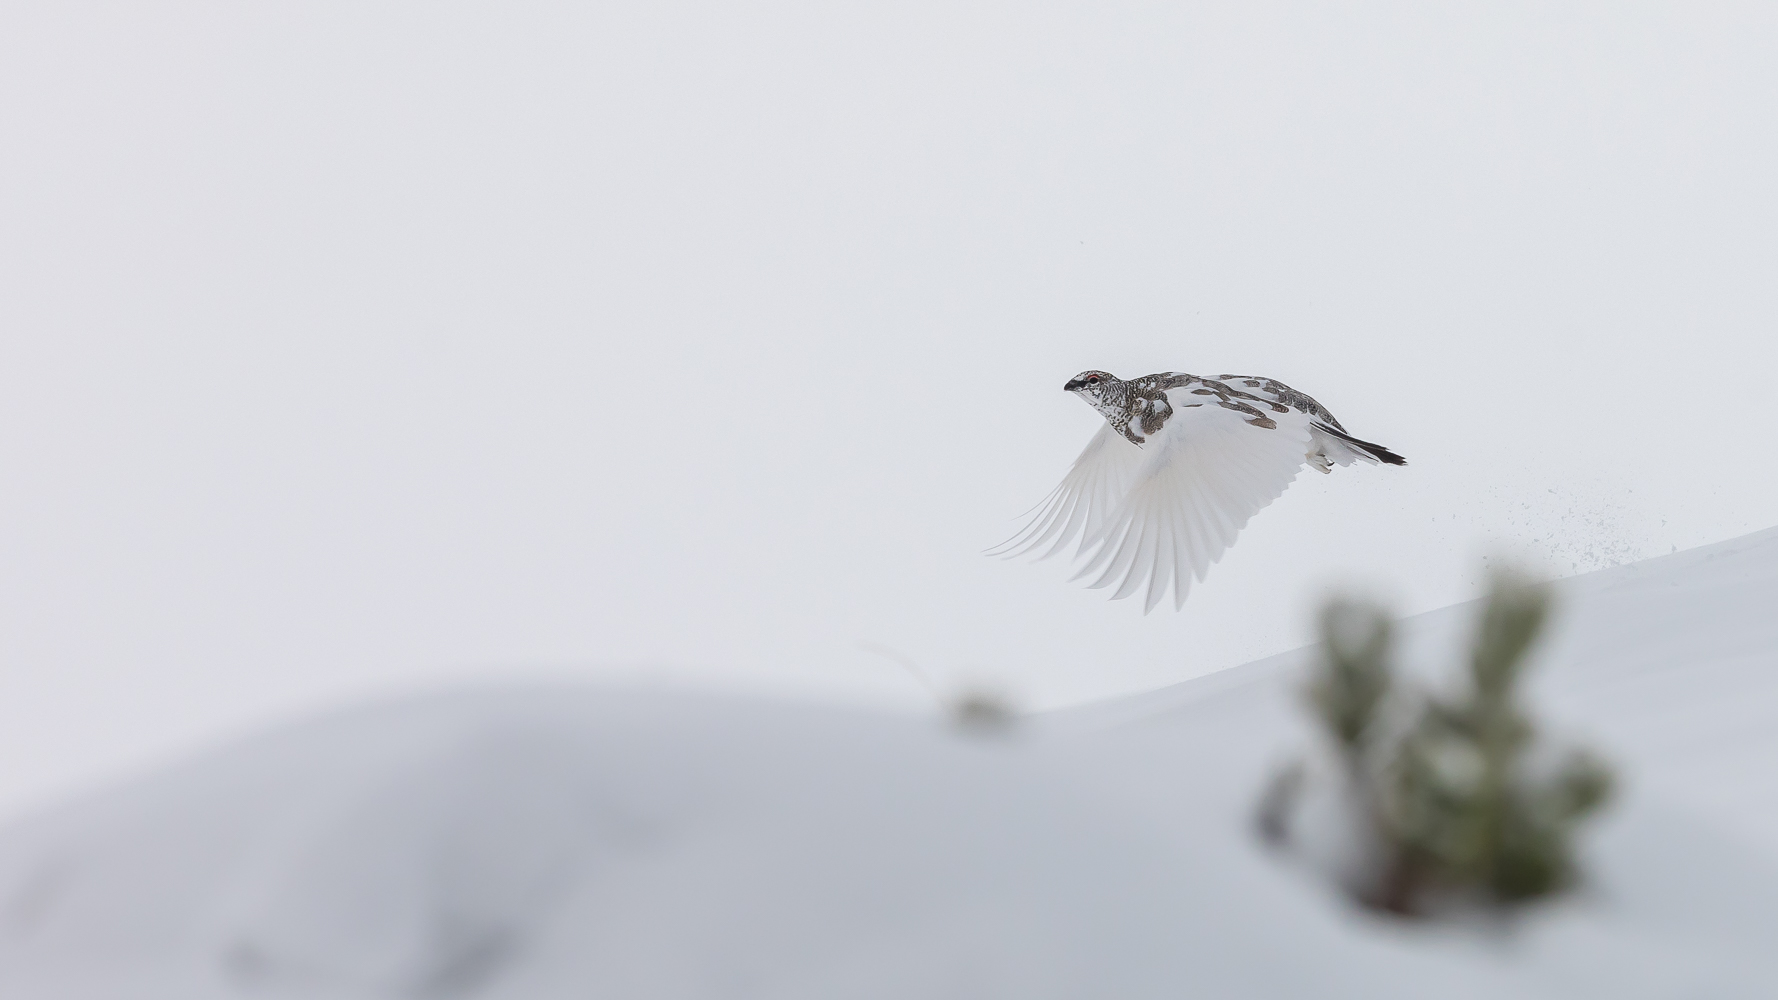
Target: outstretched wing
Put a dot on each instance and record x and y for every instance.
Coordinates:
(1084, 501)
(1201, 478)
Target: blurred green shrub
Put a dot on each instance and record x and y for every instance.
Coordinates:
(1460, 800)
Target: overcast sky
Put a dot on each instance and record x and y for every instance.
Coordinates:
(348, 347)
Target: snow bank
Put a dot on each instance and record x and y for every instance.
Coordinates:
(583, 843)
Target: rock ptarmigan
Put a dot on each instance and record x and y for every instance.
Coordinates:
(1182, 463)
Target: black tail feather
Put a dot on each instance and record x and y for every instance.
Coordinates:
(1376, 451)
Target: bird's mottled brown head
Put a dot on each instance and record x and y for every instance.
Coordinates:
(1091, 381)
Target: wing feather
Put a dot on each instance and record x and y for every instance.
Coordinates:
(1158, 516)
(1084, 501)
(1201, 479)
(1164, 562)
(1147, 553)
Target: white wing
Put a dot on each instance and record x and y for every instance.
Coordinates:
(1099, 480)
(1202, 477)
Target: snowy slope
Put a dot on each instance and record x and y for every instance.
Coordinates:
(1670, 664)
(606, 843)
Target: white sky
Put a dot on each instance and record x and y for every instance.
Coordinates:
(346, 347)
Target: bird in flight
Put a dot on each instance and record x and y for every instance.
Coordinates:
(1182, 463)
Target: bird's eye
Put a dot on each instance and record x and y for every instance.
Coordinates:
(1092, 378)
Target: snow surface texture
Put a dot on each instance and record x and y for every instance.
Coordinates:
(595, 843)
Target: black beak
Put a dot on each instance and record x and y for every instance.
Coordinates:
(1073, 384)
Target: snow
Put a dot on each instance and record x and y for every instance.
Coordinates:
(585, 842)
